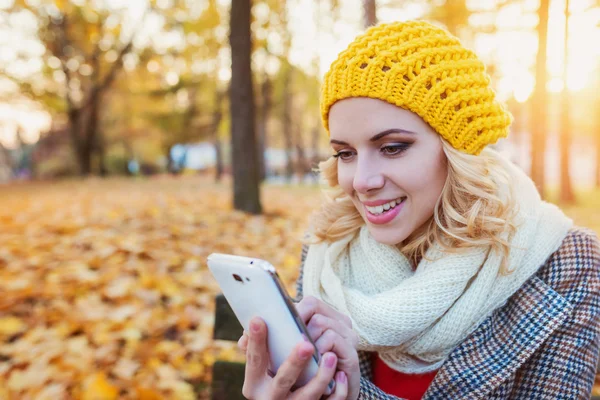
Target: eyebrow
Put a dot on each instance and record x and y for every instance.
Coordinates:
(378, 136)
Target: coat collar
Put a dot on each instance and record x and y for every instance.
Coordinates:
(502, 343)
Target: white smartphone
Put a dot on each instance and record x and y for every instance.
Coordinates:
(253, 288)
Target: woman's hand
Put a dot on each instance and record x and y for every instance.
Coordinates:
(259, 385)
(332, 331)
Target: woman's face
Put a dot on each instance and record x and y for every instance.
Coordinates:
(390, 163)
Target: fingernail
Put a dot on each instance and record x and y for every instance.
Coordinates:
(255, 327)
(304, 353)
(330, 361)
(341, 377)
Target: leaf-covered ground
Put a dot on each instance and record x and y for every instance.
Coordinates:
(104, 290)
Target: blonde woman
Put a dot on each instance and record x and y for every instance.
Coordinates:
(433, 270)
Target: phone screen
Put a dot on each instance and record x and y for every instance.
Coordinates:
(290, 305)
(299, 322)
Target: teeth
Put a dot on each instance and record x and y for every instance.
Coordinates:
(384, 207)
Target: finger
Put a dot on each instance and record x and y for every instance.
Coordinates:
(320, 323)
(318, 385)
(257, 357)
(330, 341)
(243, 342)
(288, 372)
(341, 387)
(309, 306)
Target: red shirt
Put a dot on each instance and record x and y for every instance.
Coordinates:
(406, 386)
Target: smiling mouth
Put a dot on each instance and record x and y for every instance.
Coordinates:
(382, 209)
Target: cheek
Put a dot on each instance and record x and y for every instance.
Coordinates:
(425, 185)
(346, 178)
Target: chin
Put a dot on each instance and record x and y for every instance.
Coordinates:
(389, 235)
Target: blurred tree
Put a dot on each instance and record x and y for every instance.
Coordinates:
(287, 71)
(286, 120)
(270, 20)
(175, 95)
(6, 164)
(216, 122)
(539, 104)
(246, 179)
(208, 28)
(370, 13)
(454, 14)
(263, 118)
(566, 188)
(84, 51)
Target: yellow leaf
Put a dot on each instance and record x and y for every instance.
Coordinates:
(11, 325)
(147, 394)
(167, 287)
(184, 391)
(97, 387)
(290, 261)
(3, 389)
(193, 370)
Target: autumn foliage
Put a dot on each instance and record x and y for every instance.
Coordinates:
(104, 290)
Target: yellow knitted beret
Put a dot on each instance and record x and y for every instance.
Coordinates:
(422, 68)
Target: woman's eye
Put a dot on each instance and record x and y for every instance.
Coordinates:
(395, 149)
(343, 155)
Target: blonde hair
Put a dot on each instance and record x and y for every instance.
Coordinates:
(474, 208)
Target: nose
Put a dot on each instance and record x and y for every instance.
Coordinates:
(367, 177)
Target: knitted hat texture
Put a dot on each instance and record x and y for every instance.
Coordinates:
(422, 68)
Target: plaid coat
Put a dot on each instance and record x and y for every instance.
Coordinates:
(542, 343)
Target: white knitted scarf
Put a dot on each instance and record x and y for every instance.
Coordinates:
(414, 318)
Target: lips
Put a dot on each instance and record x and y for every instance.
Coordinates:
(374, 203)
(378, 209)
(385, 216)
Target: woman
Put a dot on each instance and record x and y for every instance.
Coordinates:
(434, 268)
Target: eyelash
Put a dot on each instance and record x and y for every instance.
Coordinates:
(400, 148)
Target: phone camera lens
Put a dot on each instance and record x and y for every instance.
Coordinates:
(238, 278)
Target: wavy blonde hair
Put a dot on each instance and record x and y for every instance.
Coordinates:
(474, 209)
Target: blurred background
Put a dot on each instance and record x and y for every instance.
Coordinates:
(137, 137)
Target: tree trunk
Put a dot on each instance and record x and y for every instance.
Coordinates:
(300, 153)
(539, 102)
(216, 122)
(90, 131)
(74, 126)
(219, 159)
(262, 126)
(246, 180)
(370, 13)
(287, 122)
(170, 161)
(127, 149)
(6, 162)
(101, 151)
(566, 189)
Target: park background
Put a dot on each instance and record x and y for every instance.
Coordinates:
(137, 137)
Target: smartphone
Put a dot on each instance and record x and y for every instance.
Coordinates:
(253, 288)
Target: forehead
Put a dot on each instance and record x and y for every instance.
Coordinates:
(361, 116)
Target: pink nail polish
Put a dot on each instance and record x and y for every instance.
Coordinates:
(304, 354)
(330, 361)
(342, 377)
